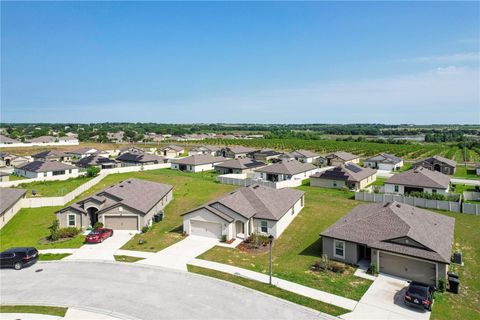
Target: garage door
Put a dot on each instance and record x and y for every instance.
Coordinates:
(206, 229)
(407, 268)
(121, 222)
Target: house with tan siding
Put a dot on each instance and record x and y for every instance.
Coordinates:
(348, 176)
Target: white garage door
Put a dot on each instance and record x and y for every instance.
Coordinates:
(407, 268)
(206, 229)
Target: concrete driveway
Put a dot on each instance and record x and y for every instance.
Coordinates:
(141, 292)
(384, 300)
(178, 255)
(104, 250)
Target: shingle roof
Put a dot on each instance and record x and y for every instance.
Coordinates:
(140, 157)
(5, 139)
(199, 159)
(267, 153)
(377, 224)
(173, 147)
(449, 162)
(241, 164)
(287, 167)
(255, 201)
(240, 149)
(348, 172)
(83, 151)
(44, 166)
(9, 196)
(94, 160)
(345, 156)
(304, 154)
(206, 148)
(132, 148)
(49, 154)
(44, 139)
(140, 195)
(385, 158)
(421, 177)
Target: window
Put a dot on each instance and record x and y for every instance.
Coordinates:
(71, 220)
(339, 249)
(334, 183)
(434, 190)
(264, 226)
(58, 172)
(396, 188)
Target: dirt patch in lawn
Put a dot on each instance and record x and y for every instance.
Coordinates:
(247, 248)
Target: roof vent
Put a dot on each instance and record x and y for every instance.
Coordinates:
(256, 186)
(398, 205)
(121, 186)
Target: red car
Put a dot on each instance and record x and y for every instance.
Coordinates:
(98, 235)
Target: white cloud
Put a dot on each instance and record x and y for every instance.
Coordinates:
(446, 58)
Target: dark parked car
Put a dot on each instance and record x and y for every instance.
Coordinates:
(18, 258)
(98, 235)
(419, 295)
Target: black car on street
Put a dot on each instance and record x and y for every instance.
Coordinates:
(18, 258)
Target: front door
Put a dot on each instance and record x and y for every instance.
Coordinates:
(239, 227)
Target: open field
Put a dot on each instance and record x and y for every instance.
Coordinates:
(466, 172)
(54, 188)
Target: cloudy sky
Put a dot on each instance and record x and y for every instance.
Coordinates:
(241, 62)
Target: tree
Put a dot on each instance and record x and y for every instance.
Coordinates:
(54, 235)
(93, 171)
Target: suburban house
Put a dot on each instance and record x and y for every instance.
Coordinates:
(266, 155)
(10, 203)
(338, 158)
(96, 161)
(400, 239)
(138, 159)
(11, 160)
(172, 151)
(52, 155)
(384, 161)
(418, 180)
(196, 163)
(4, 176)
(116, 136)
(210, 150)
(286, 156)
(305, 156)
(247, 210)
(348, 176)
(235, 152)
(239, 166)
(286, 170)
(127, 205)
(43, 139)
(438, 163)
(83, 152)
(130, 149)
(45, 169)
(4, 140)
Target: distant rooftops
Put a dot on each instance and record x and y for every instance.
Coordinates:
(347, 172)
(45, 166)
(290, 167)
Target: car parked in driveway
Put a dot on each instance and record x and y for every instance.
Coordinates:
(419, 295)
(98, 235)
(18, 258)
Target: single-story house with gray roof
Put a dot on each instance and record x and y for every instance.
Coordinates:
(418, 180)
(305, 156)
(45, 169)
(196, 163)
(138, 159)
(438, 163)
(338, 158)
(210, 150)
(10, 203)
(127, 205)
(235, 152)
(384, 161)
(247, 210)
(400, 239)
(53, 155)
(238, 166)
(348, 176)
(286, 170)
(172, 151)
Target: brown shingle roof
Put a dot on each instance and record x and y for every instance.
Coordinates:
(287, 167)
(449, 162)
(304, 154)
(198, 159)
(9, 196)
(345, 156)
(241, 164)
(348, 172)
(45, 166)
(240, 149)
(377, 224)
(421, 177)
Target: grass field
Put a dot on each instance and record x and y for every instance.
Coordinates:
(53, 188)
(271, 290)
(53, 311)
(52, 256)
(13, 177)
(121, 258)
(300, 246)
(466, 173)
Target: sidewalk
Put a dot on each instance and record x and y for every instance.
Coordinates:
(319, 295)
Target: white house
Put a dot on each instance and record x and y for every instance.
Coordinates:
(248, 210)
(196, 163)
(210, 150)
(305, 156)
(384, 161)
(418, 180)
(286, 170)
(10, 203)
(46, 169)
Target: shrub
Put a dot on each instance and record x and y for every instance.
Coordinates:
(68, 232)
(441, 284)
(224, 238)
(54, 234)
(145, 229)
(373, 269)
(257, 240)
(337, 267)
(98, 225)
(93, 171)
(326, 265)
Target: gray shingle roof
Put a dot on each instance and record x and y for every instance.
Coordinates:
(241, 164)
(375, 225)
(49, 154)
(94, 160)
(449, 162)
(304, 154)
(198, 159)
(43, 139)
(255, 201)
(240, 149)
(140, 158)
(348, 172)
(345, 156)
(385, 158)
(5, 139)
(421, 177)
(173, 147)
(84, 150)
(44, 166)
(287, 167)
(206, 148)
(9, 196)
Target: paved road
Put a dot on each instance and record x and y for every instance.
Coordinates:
(141, 292)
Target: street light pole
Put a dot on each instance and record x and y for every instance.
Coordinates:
(270, 238)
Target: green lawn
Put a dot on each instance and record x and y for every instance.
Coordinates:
(29, 226)
(271, 290)
(406, 167)
(53, 188)
(300, 246)
(378, 182)
(52, 256)
(54, 311)
(466, 173)
(127, 258)
(13, 177)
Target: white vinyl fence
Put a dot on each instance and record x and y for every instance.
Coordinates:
(14, 183)
(244, 181)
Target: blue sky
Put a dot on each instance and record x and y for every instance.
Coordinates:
(283, 62)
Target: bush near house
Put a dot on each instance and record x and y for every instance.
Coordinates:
(68, 232)
(93, 171)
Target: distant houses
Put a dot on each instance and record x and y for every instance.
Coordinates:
(139, 159)
(305, 156)
(239, 166)
(53, 155)
(340, 158)
(196, 163)
(46, 169)
(438, 163)
(384, 161)
(172, 151)
(38, 141)
(286, 170)
(210, 150)
(235, 152)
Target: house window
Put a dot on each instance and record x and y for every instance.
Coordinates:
(434, 190)
(58, 173)
(71, 220)
(264, 226)
(334, 183)
(339, 249)
(396, 188)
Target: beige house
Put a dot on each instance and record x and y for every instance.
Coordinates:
(46, 169)
(348, 176)
(235, 152)
(341, 157)
(127, 205)
(239, 166)
(10, 203)
(11, 160)
(418, 180)
(53, 155)
(172, 151)
(196, 163)
(248, 210)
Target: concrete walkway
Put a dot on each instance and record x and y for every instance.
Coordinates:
(179, 254)
(319, 295)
